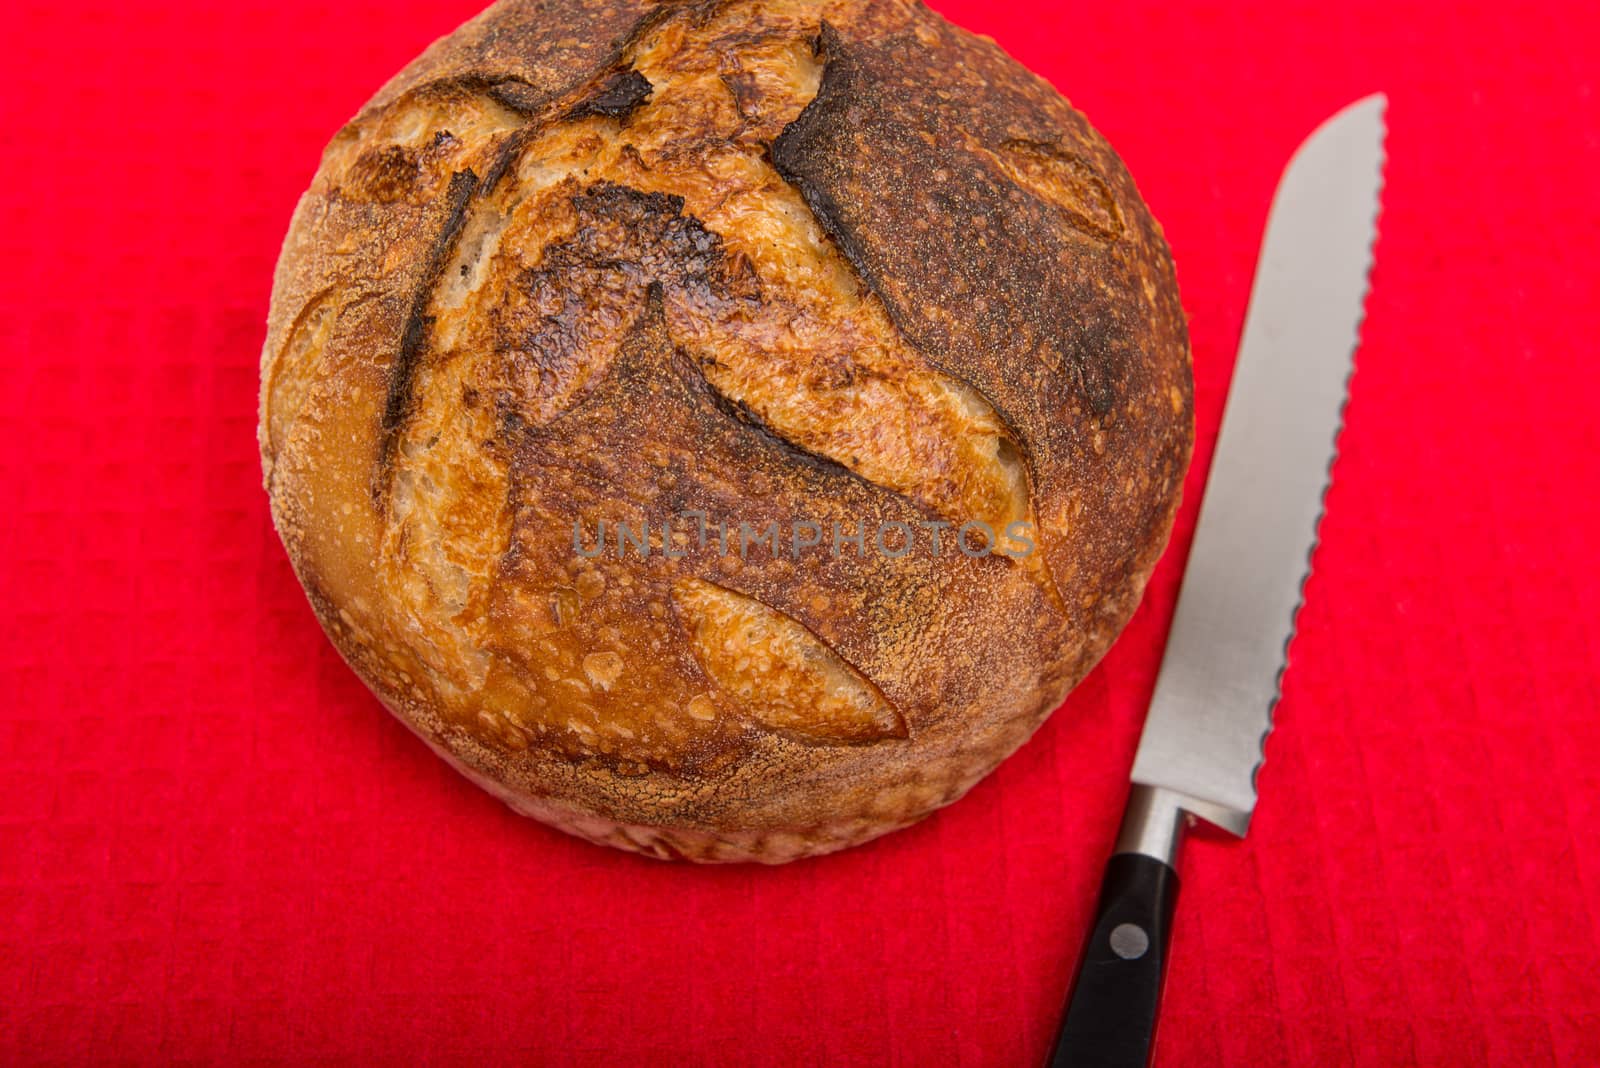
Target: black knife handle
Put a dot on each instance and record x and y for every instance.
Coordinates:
(1111, 1012)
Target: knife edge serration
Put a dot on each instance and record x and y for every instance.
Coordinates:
(1375, 223)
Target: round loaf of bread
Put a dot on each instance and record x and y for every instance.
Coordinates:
(723, 429)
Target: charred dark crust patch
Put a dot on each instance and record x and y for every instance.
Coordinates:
(530, 54)
(792, 150)
(504, 159)
(509, 91)
(616, 98)
(695, 381)
(517, 95)
(414, 338)
(927, 222)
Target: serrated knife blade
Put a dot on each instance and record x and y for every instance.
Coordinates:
(1251, 554)
(1212, 710)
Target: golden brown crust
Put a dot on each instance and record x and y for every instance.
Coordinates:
(820, 263)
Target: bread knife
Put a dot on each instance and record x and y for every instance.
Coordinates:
(1228, 649)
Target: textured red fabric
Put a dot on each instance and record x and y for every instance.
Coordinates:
(216, 846)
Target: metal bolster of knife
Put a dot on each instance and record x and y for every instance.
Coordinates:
(1152, 824)
(1155, 819)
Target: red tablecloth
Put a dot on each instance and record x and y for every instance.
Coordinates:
(216, 846)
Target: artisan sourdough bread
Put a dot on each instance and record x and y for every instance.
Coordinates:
(724, 430)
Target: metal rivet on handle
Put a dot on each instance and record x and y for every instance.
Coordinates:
(1129, 941)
